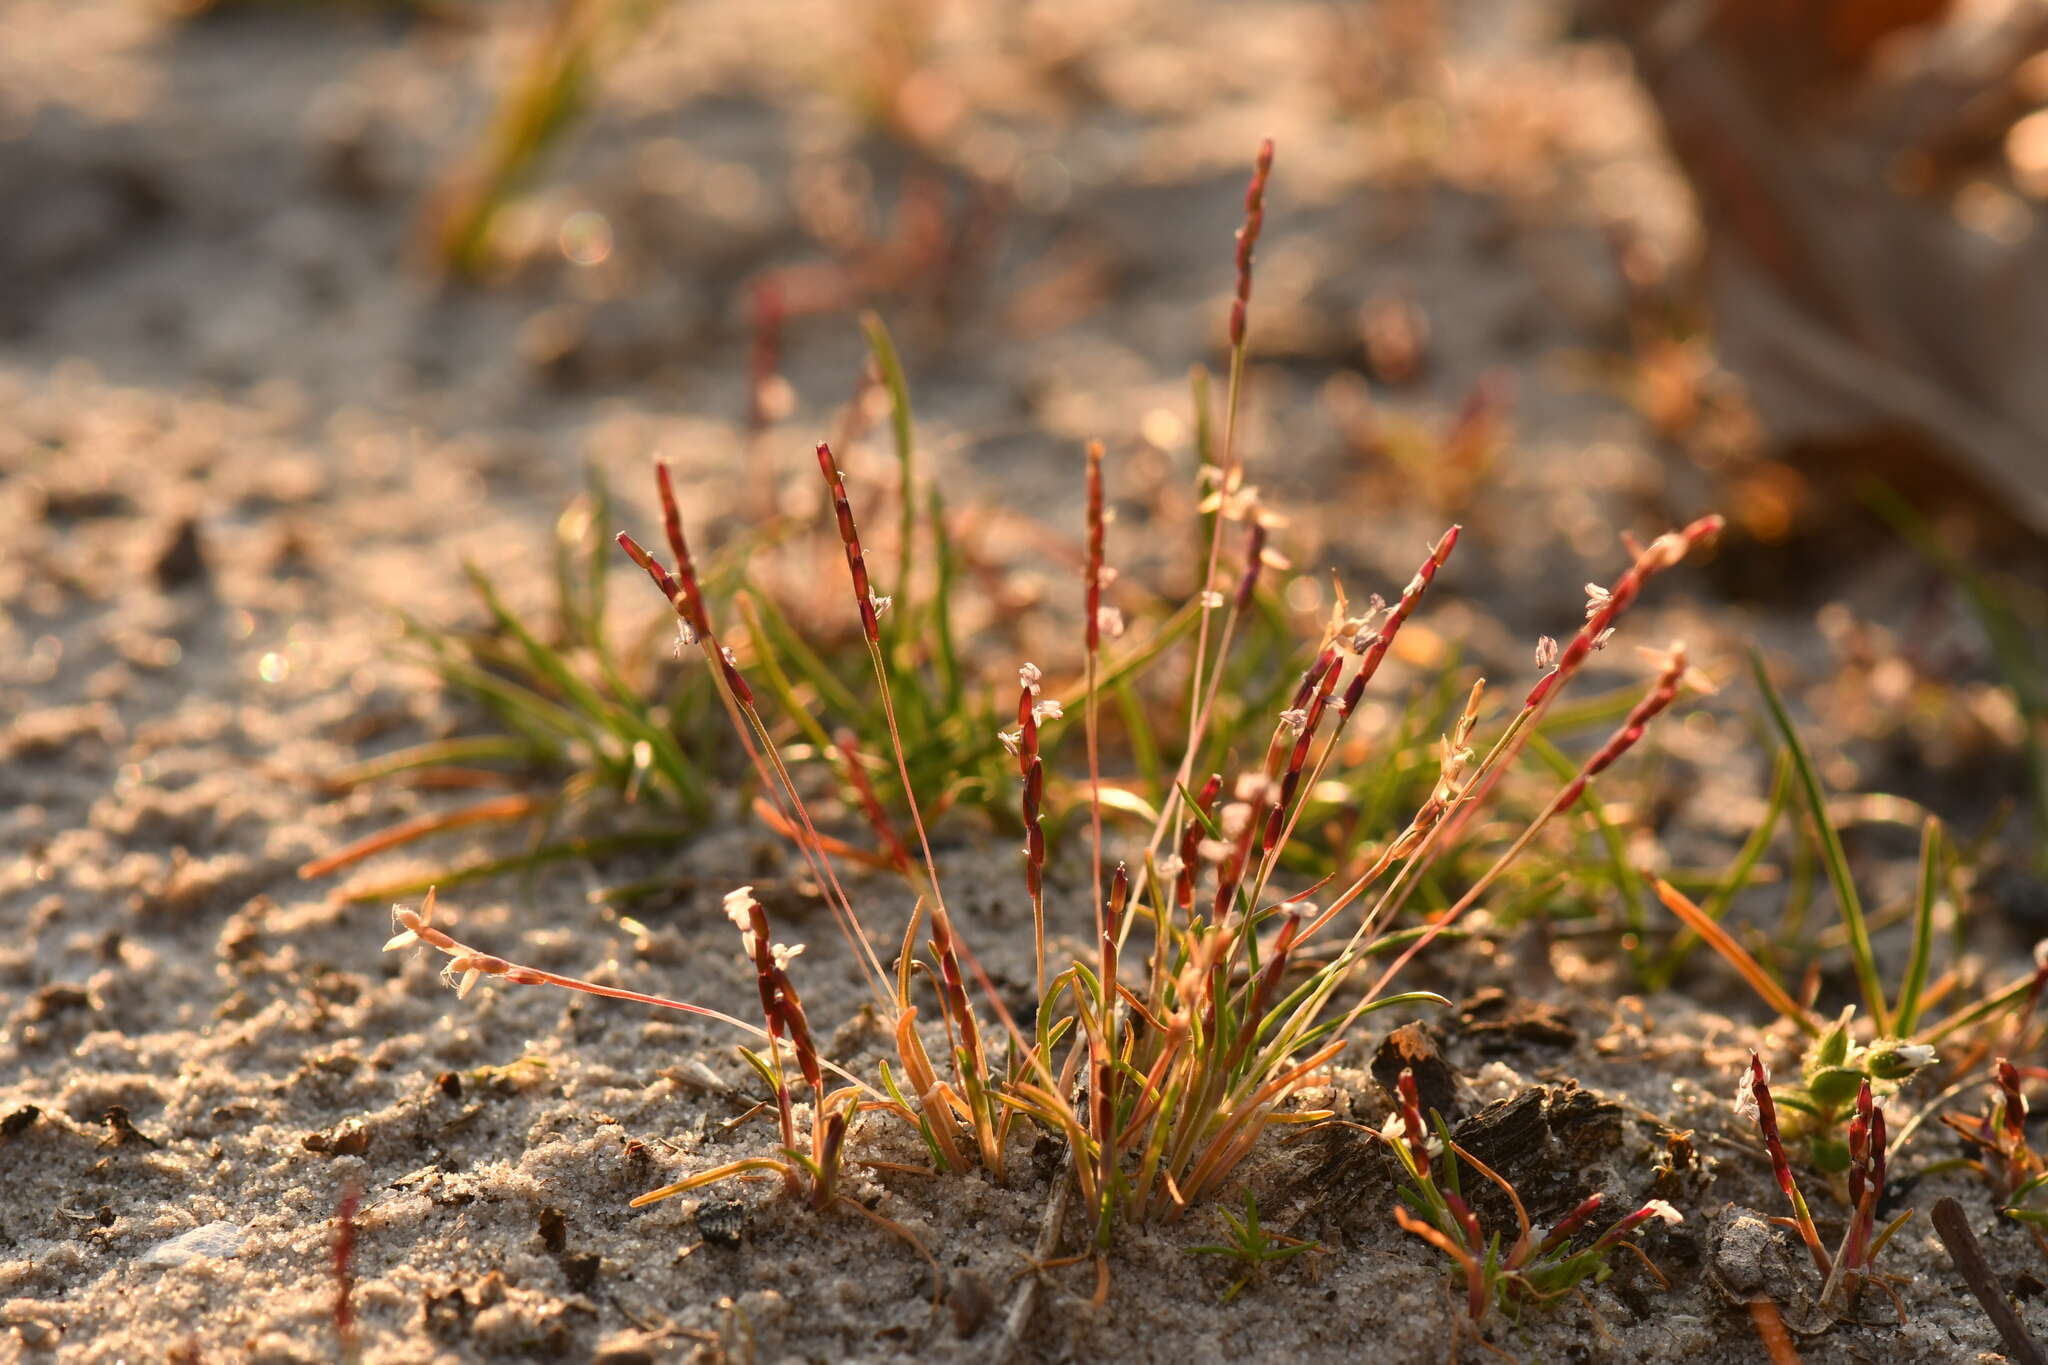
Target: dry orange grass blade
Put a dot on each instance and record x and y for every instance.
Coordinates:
(499, 810)
(1770, 1329)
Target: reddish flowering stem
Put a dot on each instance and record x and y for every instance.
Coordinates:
(687, 600)
(1767, 1125)
(1092, 586)
(1097, 534)
(1297, 758)
(870, 802)
(849, 538)
(1568, 1226)
(1269, 980)
(1248, 239)
(1254, 560)
(828, 1141)
(1031, 773)
(1653, 703)
(1191, 841)
(1415, 1134)
(1662, 554)
(1623, 1227)
(1102, 1085)
(1376, 646)
(765, 357)
(1475, 1276)
(2013, 1103)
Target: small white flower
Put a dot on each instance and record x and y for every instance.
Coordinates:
(1110, 622)
(784, 954)
(880, 604)
(686, 635)
(739, 908)
(1252, 787)
(1049, 709)
(1915, 1055)
(1011, 740)
(1029, 676)
(1214, 850)
(731, 659)
(1546, 654)
(1745, 1093)
(1235, 819)
(1663, 1210)
(1395, 1129)
(1170, 867)
(1212, 599)
(402, 920)
(1295, 719)
(1596, 598)
(1600, 640)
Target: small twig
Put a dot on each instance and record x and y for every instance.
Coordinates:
(1018, 1320)
(1954, 1226)
(344, 1270)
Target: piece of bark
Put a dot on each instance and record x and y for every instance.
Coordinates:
(1851, 294)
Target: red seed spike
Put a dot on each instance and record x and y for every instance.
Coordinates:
(1411, 1118)
(1254, 557)
(1113, 912)
(1096, 536)
(849, 537)
(686, 571)
(2014, 1105)
(1375, 649)
(1298, 758)
(661, 576)
(1191, 840)
(1568, 1226)
(1248, 238)
(1660, 554)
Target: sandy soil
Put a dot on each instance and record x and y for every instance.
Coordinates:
(236, 433)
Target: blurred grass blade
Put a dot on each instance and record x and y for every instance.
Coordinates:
(2017, 652)
(1722, 942)
(488, 868)
(1738, 875)
(495, 811)
(1626, 882)
(1907, 1015)
(1833, 858)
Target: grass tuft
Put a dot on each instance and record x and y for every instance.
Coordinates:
(1217, 982)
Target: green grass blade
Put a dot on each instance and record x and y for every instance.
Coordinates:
(1626, 883)
(1833, 857)
(944, 655)
(785, 642)
(1907, 1014)
(778, 681)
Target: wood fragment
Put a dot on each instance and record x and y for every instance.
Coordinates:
(1954, 1227)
